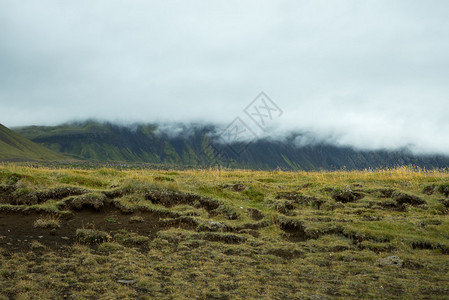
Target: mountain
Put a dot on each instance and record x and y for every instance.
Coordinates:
(195, 145)
(13, 147)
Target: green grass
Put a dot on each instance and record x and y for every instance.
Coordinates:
(306, 244)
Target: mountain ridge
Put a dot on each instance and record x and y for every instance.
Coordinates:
(193, 146)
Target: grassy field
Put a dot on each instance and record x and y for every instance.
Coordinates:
(215, 234)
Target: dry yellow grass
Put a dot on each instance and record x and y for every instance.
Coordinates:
(272, 235)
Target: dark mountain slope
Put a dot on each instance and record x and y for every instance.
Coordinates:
(144, 143)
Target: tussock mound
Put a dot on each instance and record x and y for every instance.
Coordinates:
(170, 199)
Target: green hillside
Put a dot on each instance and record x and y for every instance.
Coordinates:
(191, 146)
(14, 147)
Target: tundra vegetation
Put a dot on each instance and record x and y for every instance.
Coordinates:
(222, 234)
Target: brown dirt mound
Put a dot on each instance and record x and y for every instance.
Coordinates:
(444, 189)
(430, 246)
(301, 199)
(385, 193)
(17, 230)
(445, 202)
(297, 197)
(346, 195)
(429, 189)
(170, 199)
(11, 194)
(255, 214)
(402, 198)
(284, 207)
(294, 229)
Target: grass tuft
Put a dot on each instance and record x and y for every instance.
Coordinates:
(91, 236)
(47, 222)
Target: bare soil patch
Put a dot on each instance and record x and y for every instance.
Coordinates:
(18, 230)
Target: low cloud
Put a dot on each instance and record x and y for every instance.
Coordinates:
(368, 74)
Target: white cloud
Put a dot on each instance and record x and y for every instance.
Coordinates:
(371, 74)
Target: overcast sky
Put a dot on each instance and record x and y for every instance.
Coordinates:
(372, 74)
